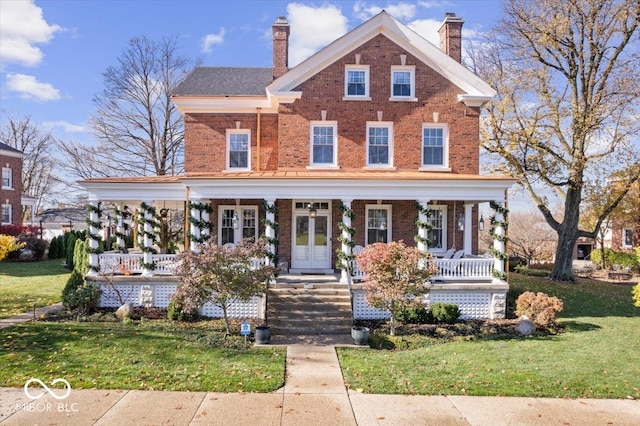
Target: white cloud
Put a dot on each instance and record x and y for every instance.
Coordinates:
(427, 4)
(312, 28)
(400, 11)
(211, 39)
(65, 126)
(428, 29)
(21, 28)
(30, 88)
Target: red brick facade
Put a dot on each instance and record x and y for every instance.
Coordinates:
(12, 196)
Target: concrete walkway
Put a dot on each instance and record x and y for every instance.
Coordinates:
(28, 316)
(314, 394)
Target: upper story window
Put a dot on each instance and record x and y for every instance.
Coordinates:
(627, 238)
(238, 149)
(378, 223)
(435, 147)
(324, 143)
(7, 178)
(379, 144)
(356, 82)
(438, 234)
(6, 214)
(403, 83)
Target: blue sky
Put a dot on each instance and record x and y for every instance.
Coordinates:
(53, 52)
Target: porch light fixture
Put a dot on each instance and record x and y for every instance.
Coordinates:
(235, 221)
(461, 223)
(312, 211)
(383, 222)
(481, 223)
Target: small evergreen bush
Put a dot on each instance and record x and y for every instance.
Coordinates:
(53, 248)
(636, 295)
(539, 307)
(414, 315)
(78, 295)
(70, 248)
(176, 312)
(444, 313)
(533, 272)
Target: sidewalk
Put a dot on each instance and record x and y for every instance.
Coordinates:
(313, 394)
(28, 316)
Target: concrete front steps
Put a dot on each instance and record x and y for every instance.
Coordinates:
(309, 308)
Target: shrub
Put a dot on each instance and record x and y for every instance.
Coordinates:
(545, 266)
(539, 307)
(78, 295)
(176, 312)
(636, 295)
(70, 245)
(444, 313)
(8, 244)
(532, 272)
(37, 245)
(414, 315)
(625, 260)
(81, 257)
(53, 248)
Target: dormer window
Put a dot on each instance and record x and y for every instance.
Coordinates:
(403, 83)
(238, 149)
(356, 82)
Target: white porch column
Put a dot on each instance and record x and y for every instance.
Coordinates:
(499, 245)
(147, 241)
(139, 227)
(468, 229)
(195, 231)
(270, 231)
(423, 233)
(120, 228)
(346, 239)
(94, 234)
(205, 216)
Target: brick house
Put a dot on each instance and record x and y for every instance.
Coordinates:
(377, 131)
(11, 188)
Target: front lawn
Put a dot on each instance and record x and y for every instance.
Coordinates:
(597, 357)
(159, 355)
(23, 284)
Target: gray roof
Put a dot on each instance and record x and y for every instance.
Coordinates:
(9, 148)
(223, 81)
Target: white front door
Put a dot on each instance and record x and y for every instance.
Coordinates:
(311, 241)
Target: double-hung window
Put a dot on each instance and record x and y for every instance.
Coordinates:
(324, 144)
(627, 238)
(435, 146)
(403, 83)
(378, 223)
(356, 82)
(379, 144)
(437, 235)
(238, 149)
(6, 214)
(237, 223)
(7, 178)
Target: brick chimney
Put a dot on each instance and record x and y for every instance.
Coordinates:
(280, 47)
(451, 36)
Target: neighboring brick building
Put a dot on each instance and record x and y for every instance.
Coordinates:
(380, 122)
(11, 187)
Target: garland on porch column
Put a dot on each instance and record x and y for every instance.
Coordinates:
(126, 215)
(273, 257)
(344, 260)
(423, 225)
(142, 220)
(502, 238)
(97, 238)
(201, 224)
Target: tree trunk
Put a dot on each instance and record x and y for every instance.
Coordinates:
(226, 319)
(567, 237)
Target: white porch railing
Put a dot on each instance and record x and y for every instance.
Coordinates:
(132, 263)
(470, 269)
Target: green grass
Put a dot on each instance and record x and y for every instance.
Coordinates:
(158, 355)
(23, 284)
(597, 357)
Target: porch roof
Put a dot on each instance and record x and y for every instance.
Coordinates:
(302, 184)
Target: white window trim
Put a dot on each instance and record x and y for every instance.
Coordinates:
(443, 209)
(352, 67)
(386, 207)
(334, 164)
(622, 243)
(10, 177)
(228, 136)
(412, 70)
(237, 233)
(445, 149)
(10, 214)
(388, 125)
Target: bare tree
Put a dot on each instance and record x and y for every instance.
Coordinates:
(568, 102)
(38, 181)
(138, 129)
(530, 237)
